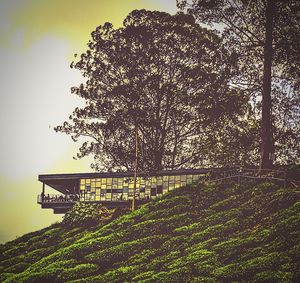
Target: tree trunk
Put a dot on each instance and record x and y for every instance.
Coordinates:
(267, 143)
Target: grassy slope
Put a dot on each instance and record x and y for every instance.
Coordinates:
(204, 233)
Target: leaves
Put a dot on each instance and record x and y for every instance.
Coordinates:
(167, 75)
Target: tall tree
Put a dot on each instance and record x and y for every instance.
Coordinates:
(267, 143)
(166, 76)
(266, 35)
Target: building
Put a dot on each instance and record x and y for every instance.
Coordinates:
(111, 189)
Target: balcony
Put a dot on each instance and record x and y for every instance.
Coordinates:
(62, 203)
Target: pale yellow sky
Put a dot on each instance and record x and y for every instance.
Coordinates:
(37, 41)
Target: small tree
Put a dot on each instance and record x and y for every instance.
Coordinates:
(86, 215)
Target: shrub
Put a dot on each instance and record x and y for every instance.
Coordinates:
(273, 276)
(86, 215)
(78, 271)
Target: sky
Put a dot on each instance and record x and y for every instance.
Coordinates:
(38, 39)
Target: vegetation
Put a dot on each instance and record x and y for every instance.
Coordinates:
(164, 75)
(265, 37)
(202, 233)
(86, 214)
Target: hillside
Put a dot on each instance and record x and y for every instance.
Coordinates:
(201, 233)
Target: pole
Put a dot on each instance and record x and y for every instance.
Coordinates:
(43, 192)
(135, 167)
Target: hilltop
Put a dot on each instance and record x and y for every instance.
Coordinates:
(201, 233)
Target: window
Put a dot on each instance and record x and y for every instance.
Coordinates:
(153, 191)
(159, 189)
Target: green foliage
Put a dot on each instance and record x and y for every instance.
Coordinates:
(79, 271)
(86, 215)
(175, 83)
(185, 236)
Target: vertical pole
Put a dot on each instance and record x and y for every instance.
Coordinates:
(43, 192)
(135, 168)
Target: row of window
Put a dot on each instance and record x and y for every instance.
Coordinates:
(98, 189)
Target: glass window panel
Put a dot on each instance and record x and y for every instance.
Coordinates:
(82, 187)
(165, 178)
(159, 189)
(109, 181)
(183, 178)
(103, 186)
(82, 181)
(103, 180)
(87, 181)
(98, 180)
(177, 185)
(171, 179)
(98, 184)
(97, 197)
(177, 178)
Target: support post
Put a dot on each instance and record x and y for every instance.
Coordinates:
(43, 192)
(135, 168)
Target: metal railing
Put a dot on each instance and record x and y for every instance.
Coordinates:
(259, 174)
(47, 198)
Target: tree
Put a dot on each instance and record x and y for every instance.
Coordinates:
(165, 76)
(266, 34)
(86, 215)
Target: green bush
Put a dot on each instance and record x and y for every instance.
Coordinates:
(273, 276)
(86, 215)
(79, 271)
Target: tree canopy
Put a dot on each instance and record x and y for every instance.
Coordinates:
(165, 75)
(265, 34)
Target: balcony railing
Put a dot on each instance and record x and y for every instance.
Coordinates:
(57, 198)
